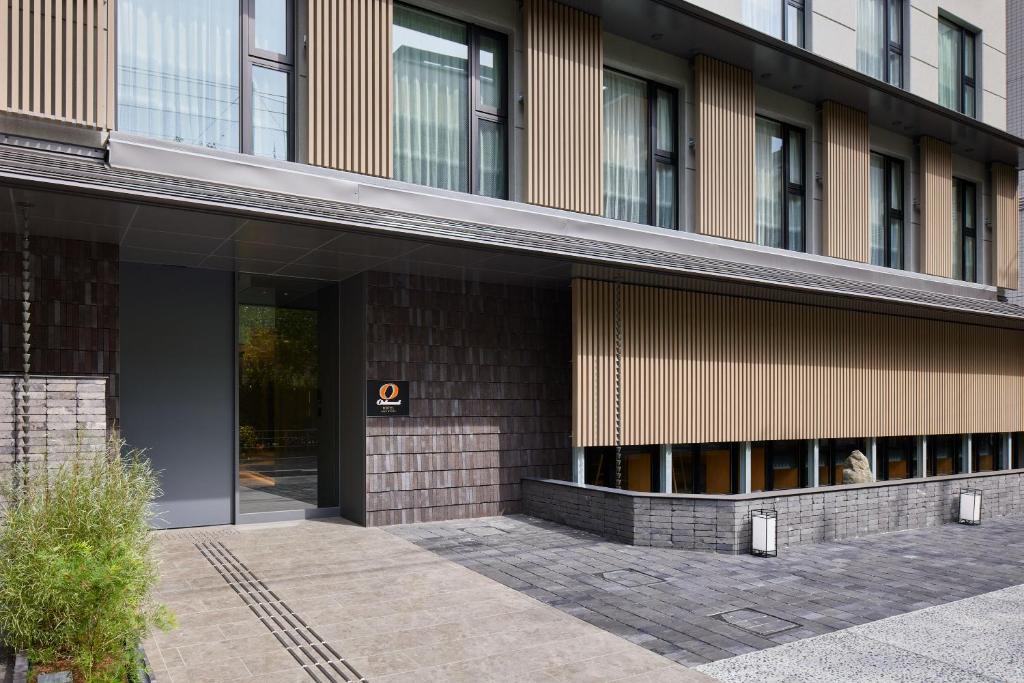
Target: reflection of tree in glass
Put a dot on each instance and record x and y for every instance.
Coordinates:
(278, 346)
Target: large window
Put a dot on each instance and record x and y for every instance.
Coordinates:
(450, 104)
(886, 211)
(180, 76)
(986, 452)
(957, 88)
(944, 454)
(640, 183)
(640, 467)
(778, 465)
(880, 40)
(1016, 444)
(965, 230)
(780, 182)
(897, 458)
(781, 18)
(705, 468)
(832, 454)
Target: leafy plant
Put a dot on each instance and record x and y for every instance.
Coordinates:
(76, 565)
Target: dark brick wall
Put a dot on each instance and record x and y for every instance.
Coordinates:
(489, 370)
(74, 309)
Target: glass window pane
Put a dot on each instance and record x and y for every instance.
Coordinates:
(794, 25)
(786, 460)
(431, 100)
(871, 46)
(969, 207)
(271, 26)
(949, 65)
(764, 15)
(795, 173)
(896, 243)
(758, 455)
(492, 160)
(877, 217)
(178, 71)
(896, 69)
(716, 469)
(625, 148)
(492, 72)
(665, 119)
(958, 212)
(795, 227)
(968, 100)
(896, 22)
(638, 469)
(896, 185)
(769, 183)
(665, 196)
(682, 469)
(269, 113)
(970, 272)
(968, 38)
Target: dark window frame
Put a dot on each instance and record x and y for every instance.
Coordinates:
(894, 47)
(829, 457)
(964, 81)
(697, 473)
(882, 457)
(769, 461)
(475, 112)
(654, 154)
(960, 187)
(798, 189)
(251, 57)
(890, 164)
(954, 439)
(801, 36)
(996, 441)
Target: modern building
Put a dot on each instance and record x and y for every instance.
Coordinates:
(391, 260)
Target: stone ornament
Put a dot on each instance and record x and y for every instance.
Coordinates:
(857, 469)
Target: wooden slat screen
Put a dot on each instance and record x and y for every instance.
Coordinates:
(56, 60)
(1004, 198)
(350, 85)
(700, 368)
(936, 207)
(725, 149)
(564, 69)
(847, 158)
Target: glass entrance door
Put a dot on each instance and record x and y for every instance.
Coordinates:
(287, 395)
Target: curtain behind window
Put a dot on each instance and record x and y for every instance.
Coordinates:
(764, 15)
(871, 47)
(625, 148)
(879, 195)
(431, 100)
(950, 69)
(769, 183)
(177, 73)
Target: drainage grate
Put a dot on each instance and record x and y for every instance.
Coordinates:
(756, 622)
(315, 655)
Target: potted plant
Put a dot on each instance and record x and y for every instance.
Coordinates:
(77, 571)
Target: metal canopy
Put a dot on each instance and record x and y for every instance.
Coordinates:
(687, 31)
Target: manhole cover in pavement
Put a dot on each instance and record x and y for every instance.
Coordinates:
(630, 578)
(756, 622)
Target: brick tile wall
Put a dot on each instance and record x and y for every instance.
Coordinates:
(74, 309)
(488, 367)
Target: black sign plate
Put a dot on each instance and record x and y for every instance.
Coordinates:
(386, 398)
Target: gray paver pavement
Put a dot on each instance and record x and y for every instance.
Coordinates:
(672, 601)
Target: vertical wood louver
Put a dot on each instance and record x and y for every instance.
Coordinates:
(57, 60)
(702, 367)
(1004, 199)
(350, 67)
(564, 66)
(847, 158)
(936, 207)
(725, 149)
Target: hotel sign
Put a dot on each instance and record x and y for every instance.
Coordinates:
(387, 398)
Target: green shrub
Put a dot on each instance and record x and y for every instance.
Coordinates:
(76, 567)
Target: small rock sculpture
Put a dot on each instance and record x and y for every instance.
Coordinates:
(857, 469)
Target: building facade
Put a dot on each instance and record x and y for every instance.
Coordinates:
(395, 260)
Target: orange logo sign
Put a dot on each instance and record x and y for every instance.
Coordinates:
(388, 392)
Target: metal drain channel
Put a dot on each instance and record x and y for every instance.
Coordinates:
(314, 654)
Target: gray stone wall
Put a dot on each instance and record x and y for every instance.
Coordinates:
(489, 372)
(722, 523)
(65, 413)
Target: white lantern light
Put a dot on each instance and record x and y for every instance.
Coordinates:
(970, 506)
(763, 527)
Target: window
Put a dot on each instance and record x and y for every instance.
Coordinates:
(956, 67)
(639, 151)
(880, 40)
(705, 468)
(944, 454)
(965, 230)
(1016, 444)
(832, 453)
(781, 18)
(897, 458)
(640, 467)
(777, 465)
(450, 104)
(779, 209)
(886, 211)
(180, 78)
(986, 452)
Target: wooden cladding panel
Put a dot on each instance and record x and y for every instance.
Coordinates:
(700, 368)
(846, 191)
(1004, 198)
(725, 150)
(564, 69)
(936, 207)
(350, 85)
(56, 60)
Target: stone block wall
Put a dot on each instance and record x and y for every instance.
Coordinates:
(489, 369)
(74, 309)
(65, 413)
(722, 523)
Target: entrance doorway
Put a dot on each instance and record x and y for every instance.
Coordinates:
(287, 398)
